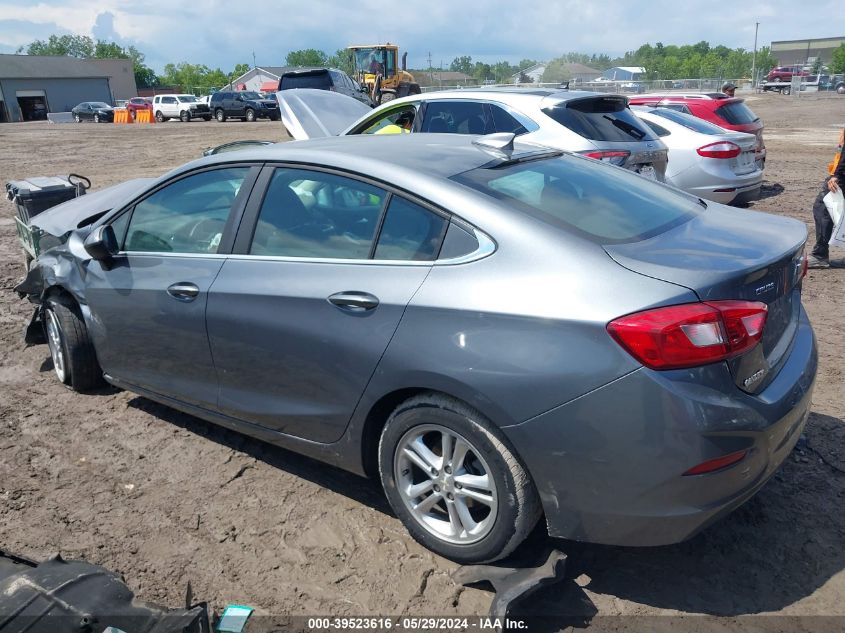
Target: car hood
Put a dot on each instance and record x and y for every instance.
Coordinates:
(309, 113)
(78, 212)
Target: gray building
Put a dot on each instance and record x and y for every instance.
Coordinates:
(800, 52)
(33, 85)
(121, 73)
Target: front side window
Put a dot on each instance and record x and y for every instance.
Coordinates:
(397, 121)
(455, 117)
(187, 216)
(315, 214)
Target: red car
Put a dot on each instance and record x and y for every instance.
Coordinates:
(138, 103)
(730, 113)
(785, 73)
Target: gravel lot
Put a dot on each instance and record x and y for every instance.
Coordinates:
(165, 498)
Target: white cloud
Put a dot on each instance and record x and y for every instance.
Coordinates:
(217, 33)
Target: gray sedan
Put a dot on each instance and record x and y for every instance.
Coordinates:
(498, 333)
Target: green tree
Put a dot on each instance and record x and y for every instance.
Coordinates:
(306, 57)
(482, 71)
(526, 63)
(239, 69)
(462, 64)
(837, 64)
(556, 71)
(70, 45)
(342, 59)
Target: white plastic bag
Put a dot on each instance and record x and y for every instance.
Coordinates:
(835, 205)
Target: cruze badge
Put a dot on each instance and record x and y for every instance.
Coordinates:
(757, 375)
(763, 289)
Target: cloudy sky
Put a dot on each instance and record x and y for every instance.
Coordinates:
(221, 33)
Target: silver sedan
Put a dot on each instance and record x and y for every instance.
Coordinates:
(705, 159)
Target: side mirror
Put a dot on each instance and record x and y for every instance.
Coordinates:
(101, 243)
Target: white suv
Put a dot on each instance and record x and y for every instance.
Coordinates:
(182, 107)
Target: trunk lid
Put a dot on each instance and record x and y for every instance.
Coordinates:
(309, 113)
(745, 163)
(726, 253)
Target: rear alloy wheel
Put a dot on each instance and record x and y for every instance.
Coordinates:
(221, 116)
(74, 358)
(159, 117)
(184, 116)
(452, 481)
(207, 117)
(249, 115)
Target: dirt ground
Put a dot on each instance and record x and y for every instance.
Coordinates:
(165, 498)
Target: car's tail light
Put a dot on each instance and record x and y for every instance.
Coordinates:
(615, 157)
(712, 465)
(720, 149)
(805, 265)
(690, 334)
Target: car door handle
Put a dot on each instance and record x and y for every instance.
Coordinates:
(184, 291)
(354, 301)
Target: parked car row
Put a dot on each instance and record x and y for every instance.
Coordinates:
(727, 153)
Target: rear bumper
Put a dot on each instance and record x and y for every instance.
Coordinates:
(608, 465)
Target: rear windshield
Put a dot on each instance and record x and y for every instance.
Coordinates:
(605, 204)
(319, 80)
(737, 113)
(688, 121)
(601, 119)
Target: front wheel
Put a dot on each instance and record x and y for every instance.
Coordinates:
(207, 118)
(74, 358)
(453, 482)
(96, 118)
(77, 118)
(184, 116)
(221, 116)
(249, 115)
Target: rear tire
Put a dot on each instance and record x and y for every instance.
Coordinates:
(71, 348)
(207, 118)
(159, 117)
(486, 503)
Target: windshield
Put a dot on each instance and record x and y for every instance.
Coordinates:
(600, 119)
(688, 121)
(602, 203)
(370, 60)
(318, 79)
(99, 104)
(249, 96)
(737, 113)
(187, 98)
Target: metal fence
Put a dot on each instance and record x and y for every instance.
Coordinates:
(712, 84)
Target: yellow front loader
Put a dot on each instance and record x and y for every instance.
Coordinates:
(376, 68)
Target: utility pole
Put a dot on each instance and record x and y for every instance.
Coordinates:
(430, 72)
(754, 59)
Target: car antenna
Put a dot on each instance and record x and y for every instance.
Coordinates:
(502, 141)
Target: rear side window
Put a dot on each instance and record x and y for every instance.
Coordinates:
(410, 232)
(455, 117)
(601, 203)
(737, 113)
(688, 121)
(658, 129)
(600, 119)
(504, 122)
(319, 80)
(315, 214)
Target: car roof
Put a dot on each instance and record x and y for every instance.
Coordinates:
(309, 69)
(401, 157)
